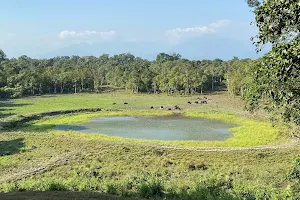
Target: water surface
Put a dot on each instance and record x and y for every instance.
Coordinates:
(154, 128)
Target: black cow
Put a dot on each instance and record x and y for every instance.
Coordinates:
(177, 107)
(203, 102)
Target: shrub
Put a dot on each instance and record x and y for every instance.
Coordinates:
(294, 174)
(112, 189)
(57, 187)
(151, 189)
(7, 92)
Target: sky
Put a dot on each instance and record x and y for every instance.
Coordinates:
(197, 29)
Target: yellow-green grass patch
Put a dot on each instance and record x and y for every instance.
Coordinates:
(248, 132)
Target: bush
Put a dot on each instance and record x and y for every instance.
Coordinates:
(6, 92)
(294, 174)
(112, 189)
(57, 187)
(151, 189)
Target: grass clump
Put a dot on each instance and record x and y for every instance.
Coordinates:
(112, 189)
(54, 186)
(153, 188)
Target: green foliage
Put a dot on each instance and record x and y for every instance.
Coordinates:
(57, 187)
(294, 173)
(276, 77)
(152, 188)
(169, 73)
(278, 21)
(277, 81)
(112, 189)
(238, 76)
(7, 93)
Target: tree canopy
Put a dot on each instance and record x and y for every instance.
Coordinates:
(169, 73)
(276, 77)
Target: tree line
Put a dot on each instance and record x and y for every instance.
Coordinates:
(169, 73)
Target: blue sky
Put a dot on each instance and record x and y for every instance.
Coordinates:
(197, 29)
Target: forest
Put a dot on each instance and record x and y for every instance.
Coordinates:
(168, 73)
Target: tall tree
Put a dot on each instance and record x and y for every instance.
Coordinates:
(277, 75)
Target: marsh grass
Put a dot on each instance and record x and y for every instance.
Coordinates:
(249, 132)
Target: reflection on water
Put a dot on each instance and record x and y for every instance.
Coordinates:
(155, 128)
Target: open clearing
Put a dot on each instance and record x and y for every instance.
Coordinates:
(35, 158)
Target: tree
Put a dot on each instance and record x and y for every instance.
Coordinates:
(170, 73)
(276, 77)
(2, 55)
(277, 21)
(238, 76)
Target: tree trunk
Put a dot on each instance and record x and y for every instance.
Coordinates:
(212, 83)
(95, 86)
(40, 88)
(201, 89)
(55, 88)
(102, 81)
(61, 88)
(242, 92)
(75, 87)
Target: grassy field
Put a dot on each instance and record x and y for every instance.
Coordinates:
(35, 158)
(135, 102)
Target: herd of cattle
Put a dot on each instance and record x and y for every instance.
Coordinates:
(199, 100)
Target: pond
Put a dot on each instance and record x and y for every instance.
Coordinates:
(154, 128)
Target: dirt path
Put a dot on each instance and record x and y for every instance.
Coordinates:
(291, 144)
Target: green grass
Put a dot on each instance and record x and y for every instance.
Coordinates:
(38, 159)
(249, 132)
(80, 164)
(135, 102)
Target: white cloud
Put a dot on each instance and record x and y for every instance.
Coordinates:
(11, 34)
(176, 35)
(87, 34)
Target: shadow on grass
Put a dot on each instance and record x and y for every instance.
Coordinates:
(11, 147)
(70, 195)
(67, 127)
(59, 195)
(7, 108)
(146, 190)
(45, 127)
